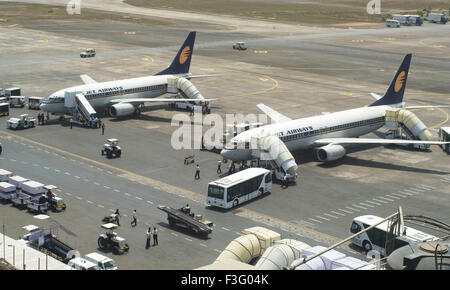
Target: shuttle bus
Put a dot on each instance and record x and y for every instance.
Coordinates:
(239, 187)
(375, 239)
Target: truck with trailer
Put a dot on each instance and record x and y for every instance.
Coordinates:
(55, 202)
(37, 202)
(403, 19)
(437, 18)
(183, 218)
(17, 180)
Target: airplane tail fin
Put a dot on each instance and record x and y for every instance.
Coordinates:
(394, 94)
(182, 61)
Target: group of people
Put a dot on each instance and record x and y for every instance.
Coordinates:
(41, 118)
(149, 233)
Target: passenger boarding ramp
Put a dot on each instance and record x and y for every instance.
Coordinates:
(183, 87)
(404, 124)
(79, 106)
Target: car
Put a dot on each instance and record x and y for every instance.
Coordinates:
(239, 46)
(90, 52)
(112, 148)
(25, 121)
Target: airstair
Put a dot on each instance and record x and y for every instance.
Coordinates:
(404, 124)
(79, 106)
(183, 87)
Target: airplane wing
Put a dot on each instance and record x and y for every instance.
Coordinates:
(274, 115)
(426, 107)
(374, 141)
(144, 100)
(87, 79)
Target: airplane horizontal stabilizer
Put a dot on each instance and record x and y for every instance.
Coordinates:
(274, 115)
(374, 141)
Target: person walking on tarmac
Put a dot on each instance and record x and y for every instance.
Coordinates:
(155, 237)
(117, 217)
(134, 219)
(1, 149)
(197, 172)
(219, 164)
(149, 237)
(103, 128)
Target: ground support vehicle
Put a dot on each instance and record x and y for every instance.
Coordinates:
(25, 121)
(102, 262)
(7, 191)
(444, 135)
(34, 103)
(112, 148)
(110, 240)
(90, 52)
(239, 46)
(4, 109)
(185, 219)
(38, 204)
(52, 246)
(82, 264)
(16, 101)
(55, 202)
(12, 92)
(112, 218)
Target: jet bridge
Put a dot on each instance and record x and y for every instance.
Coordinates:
(404, 124)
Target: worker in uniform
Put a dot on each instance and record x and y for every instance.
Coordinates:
(155, 237)
(197, 172)
(117, 217)
(219, 164)
(103, 128)
(149, 237)
(1, 149)
(134, 219)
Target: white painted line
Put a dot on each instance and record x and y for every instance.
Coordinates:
(69, 194)
(99, 169)
(353, 209)
(398, 194)
(174, 234)
(385, 198)
(46, 151)
(13, 160)
(315, 220)
(424, 186)
(137, 197)
(111, 210)
(149, 202)
(77, 177)
(445, 180)
(78, 197)
(96, 183)
(88, 201)
(67, 173)
(101, 206)
(225, 229)
(125, 215)
(218, 251)
(394, 197)
(187, 239)
(116, 190)
(411, 191)
(341, 214)
(330, 215)
(91, 166)
(109, 172)
(323, 218)
(358, 206)
(407, 193)
(87, 180)
(72, 159)
(46, 167)
(106, 187)
(377, 200)
(346, 211)
(59, 190)
(34, 164)
(203, 245)
(57, 170)
(418, 189)
(372, 202)
(365, 204)
(127, 194)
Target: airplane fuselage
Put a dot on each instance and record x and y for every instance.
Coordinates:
(101, 94)
(301, 133)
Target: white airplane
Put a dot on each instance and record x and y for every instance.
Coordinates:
(331, 131)
(122, 97)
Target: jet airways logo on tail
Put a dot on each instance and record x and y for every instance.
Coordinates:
(400, 81)
(185, 53)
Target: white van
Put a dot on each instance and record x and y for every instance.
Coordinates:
(102, 262)
(392, 23)
(82, 264)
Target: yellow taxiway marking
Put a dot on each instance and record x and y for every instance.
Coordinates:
(130, 33)
(346, 94)
(207, 69)
(447, 117)
(243, 212)
(422, 41)
(13, 25)
(275, 85)
(260, 51)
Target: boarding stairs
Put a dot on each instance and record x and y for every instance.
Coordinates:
(404, 124)
(183, 87)
(79, 106)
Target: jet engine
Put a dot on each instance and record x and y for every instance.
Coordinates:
(121, 110)
(330, 152)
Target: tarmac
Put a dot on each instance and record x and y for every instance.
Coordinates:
(299, 73)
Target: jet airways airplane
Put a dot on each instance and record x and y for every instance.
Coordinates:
(331, 131)
(122, 97)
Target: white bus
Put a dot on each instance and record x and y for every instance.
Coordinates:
(375, 239)
(239, 187)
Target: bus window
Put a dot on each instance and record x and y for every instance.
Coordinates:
(215, 191)
(268, 178)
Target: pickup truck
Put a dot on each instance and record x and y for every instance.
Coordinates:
(88, 53)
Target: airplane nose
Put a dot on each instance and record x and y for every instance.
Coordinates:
(43, 107)
(225, 153)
